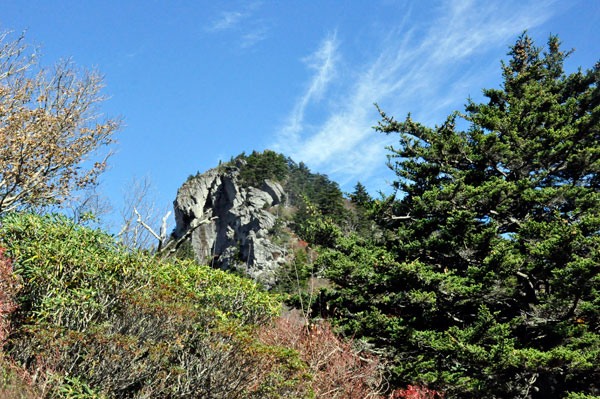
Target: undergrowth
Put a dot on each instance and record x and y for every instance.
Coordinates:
(110, 322)
(82, 317)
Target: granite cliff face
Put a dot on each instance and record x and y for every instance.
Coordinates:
(238, 236)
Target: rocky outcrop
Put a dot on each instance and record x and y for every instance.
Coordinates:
(238, 237)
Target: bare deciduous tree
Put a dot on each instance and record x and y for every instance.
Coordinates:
(139, 215)
(50, 128)
(88, 204)
(142, 226)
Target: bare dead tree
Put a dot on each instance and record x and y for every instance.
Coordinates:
(142, 225)
(139, 214)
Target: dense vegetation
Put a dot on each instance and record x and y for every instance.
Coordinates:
(302, 187)
(488, 281)
(87, 318)
(479, 277)
(261, 166)
(121, 324)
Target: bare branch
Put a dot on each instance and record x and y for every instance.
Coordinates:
(144, 225)
(138, 204)
(172, 245)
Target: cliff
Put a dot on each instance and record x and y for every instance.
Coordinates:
(238, 237)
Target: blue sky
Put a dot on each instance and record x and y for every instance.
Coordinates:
(199, 81)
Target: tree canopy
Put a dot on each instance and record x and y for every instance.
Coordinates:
(489, 282)
(261, 166)
(49, 128)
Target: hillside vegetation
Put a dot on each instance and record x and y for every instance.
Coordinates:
(118, 323)
(301, 185)
(88, 318)
(478, 277)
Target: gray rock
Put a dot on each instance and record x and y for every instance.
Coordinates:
(275, 191)
(238, 237)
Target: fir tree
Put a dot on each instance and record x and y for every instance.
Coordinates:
(360, 196)
(490, 284)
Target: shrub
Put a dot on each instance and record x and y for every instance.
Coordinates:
(416, 392)
(12, 383)
(337, 370)
(123, 324)
(15, 381)
(95, 321)
(9, 287)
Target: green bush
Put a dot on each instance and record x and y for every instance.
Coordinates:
(111, 322)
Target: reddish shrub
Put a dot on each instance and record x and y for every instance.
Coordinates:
(416, 392)
(337, 369)
(19, 383)
(9, 287)
(16, 381)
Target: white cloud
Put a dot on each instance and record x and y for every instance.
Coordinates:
(411, 74)
(323, 62)
(251, 38)
(251, 31)
(228, 20)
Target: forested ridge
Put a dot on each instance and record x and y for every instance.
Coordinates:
(478, 276)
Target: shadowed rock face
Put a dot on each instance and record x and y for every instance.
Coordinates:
(238, 236)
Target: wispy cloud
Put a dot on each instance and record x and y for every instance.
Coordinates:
(250, 31)
(254, 36)
(232, 19)
(227, 20)
(419, 70)
(323, 62)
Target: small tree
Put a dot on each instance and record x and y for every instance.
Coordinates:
(49, 128)
(140, 216)
(360, 196)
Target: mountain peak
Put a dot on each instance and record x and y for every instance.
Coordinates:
(238, 237)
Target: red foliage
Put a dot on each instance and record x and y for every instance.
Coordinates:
(9, 287)
(21, 383)
(300, 244)
(337, 369)
(18, 382)
(416, 392)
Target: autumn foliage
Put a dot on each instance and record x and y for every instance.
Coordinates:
(416, 392)
(49, 128)
(15, 382)
(105, 322)
(8, 290)
(336, 368)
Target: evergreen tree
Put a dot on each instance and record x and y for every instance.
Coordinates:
(360, 196)
(490, 284)
(359, 219)
(305, 188)
(259, 167)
